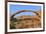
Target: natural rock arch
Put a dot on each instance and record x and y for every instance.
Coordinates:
(24, 11)
(38, 19)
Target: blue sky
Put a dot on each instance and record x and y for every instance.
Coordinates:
(14, 8)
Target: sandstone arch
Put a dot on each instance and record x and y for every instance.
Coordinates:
(24, 11)
(34, 18)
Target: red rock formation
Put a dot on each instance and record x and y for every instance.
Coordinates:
(29, 21)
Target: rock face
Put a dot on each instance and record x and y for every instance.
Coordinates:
(29, 21)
